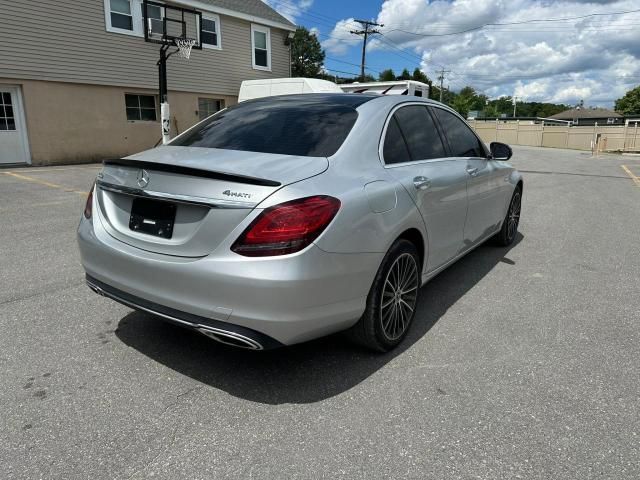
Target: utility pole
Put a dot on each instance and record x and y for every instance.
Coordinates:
(441, 77)
(515, 101)
(365, 32)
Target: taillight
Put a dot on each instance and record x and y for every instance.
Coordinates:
(288, 227)
(88, 207)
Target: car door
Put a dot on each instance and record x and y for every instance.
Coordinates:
(484, 177)
(414, 155)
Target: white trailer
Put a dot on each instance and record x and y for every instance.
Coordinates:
(269, 87)
(397, 87)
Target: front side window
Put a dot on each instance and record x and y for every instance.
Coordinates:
(141, 107)
(121, 14)
(208, 106)
(310, 126)
(210, 31)
(261, 45)
(420, 132)
(462, 140)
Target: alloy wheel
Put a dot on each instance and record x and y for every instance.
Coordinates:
(399, 296)
(513, 218)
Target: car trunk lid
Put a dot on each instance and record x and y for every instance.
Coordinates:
(185, 201)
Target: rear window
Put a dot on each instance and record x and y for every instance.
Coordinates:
(304, 125)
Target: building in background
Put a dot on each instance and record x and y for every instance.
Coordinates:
(589, 116)
(78, 82)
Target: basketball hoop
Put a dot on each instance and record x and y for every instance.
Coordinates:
(184, 46)
(170, 26)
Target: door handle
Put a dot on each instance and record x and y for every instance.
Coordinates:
(421, 183)
(473, 171)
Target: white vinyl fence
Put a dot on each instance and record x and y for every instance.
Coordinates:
(625, 138)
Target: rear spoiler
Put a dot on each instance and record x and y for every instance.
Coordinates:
(194, 172)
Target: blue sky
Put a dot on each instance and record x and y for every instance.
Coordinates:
(539, 50)
(323, 15)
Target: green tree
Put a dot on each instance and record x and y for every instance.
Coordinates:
(307, 55)
(630, 103)
(387, 75)
(405, 75)
(419, 76)
(468, 92)
(367, 78)
(468, 99)
(462, 104)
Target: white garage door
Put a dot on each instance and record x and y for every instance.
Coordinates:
(14, 146)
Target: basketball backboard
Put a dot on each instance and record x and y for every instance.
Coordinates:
(164, 24)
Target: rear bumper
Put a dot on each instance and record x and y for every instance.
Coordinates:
(221, 331)
(273, 301)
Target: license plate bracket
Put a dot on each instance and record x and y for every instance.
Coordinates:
(152, 217)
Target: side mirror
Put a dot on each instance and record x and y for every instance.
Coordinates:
(500, 151)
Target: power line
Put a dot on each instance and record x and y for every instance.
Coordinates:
(349, 63)
(365, 32)
(341, 71)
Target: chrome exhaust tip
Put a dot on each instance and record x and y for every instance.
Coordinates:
(95, 289)
(229, 338)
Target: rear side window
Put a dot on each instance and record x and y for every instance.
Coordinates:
(291, 127)
(420, 132)
(395, 149)
(462, 141)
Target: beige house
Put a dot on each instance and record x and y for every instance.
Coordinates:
(78, 82)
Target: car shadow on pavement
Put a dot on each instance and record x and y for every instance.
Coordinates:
(303, 373)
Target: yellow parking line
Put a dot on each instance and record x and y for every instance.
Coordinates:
(635, 179)
(33, 205)
(47, 184)
(60, 169)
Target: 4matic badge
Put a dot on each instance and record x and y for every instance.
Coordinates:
(229, 193)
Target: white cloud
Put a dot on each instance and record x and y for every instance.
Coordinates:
(595, 59)
(340, 40)
(291, 9)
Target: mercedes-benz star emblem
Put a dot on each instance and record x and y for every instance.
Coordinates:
(143, 178)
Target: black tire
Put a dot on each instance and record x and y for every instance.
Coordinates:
(507, 233)
(383, 326)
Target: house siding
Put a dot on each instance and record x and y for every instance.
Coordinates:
(67, 41)
(80, 123)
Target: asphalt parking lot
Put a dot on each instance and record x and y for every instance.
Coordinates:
(522, 362)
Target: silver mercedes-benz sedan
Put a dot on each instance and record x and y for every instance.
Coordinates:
(287, 218)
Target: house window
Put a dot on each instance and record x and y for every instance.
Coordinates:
(7, 119)
(611, 120)
(124, 16)
(261, 45)
(208, 106)
(210, 30)
(121, 15)
(141, 107)
(155, 17)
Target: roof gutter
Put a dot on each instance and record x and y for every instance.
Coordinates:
(205, 7)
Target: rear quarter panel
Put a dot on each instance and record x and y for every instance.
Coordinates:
(364, 222)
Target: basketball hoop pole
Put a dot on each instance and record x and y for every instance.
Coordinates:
(170, 26)
(165, 113)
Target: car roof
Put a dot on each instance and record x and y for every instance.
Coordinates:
(346, 99)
